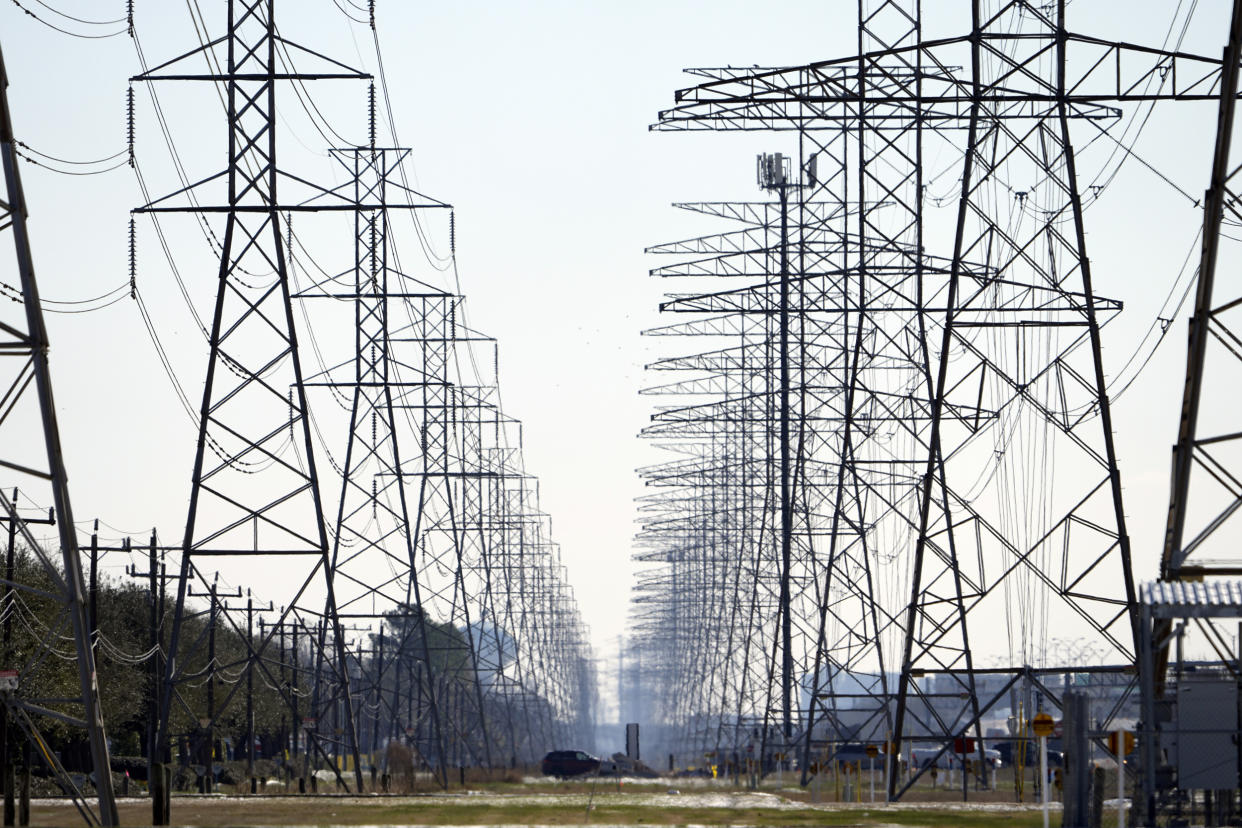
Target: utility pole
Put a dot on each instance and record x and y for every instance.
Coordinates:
(297, 708)
(93, 615)
(379, 700)
(774, 175)
(210, 727)
(7, 776)
(157, 780)
(250, 693)
(285, 730)
(153, 699)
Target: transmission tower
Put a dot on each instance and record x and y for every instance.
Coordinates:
(1206, 489)
(255, 489)
(373, 556)
(438, 551)
(1206, 493)
(960, 368)
(31, 698)
(435, 514)
(741, 526)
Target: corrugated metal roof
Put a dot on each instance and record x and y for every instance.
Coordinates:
(1217, 594)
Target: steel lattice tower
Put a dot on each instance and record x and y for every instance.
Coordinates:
(255, 488)
(755, 498)
(1206, 487)
(39, 466)
(372, 531)
(442, 479)
(1206, 492)
(957, 361)
(456, 496)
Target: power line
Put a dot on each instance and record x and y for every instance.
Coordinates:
(64, 31)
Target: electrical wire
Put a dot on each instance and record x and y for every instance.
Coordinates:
(345, 12)
(110, 298)
(44, 155)
(79, 19)
(107, 304)
(31, 160)
(64, 31)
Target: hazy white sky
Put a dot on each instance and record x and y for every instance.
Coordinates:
(531, 118)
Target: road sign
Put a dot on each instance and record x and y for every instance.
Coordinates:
(8, 679)
(963, 745)
(1127, 742)
(873, 751)
(1043, 726)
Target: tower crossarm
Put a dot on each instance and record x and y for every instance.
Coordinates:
(825, 94)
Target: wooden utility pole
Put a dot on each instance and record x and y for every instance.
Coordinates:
(254, 788)
(8, 773)
(208, 778)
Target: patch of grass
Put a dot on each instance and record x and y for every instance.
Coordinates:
(495, 810)
(552, 805)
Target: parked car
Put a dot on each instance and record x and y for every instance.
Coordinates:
(923, 757)
(567, 763)
(1011, 749)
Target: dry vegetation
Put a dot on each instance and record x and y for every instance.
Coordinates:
(543, 802)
